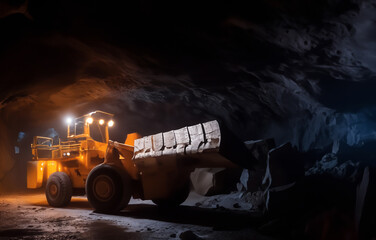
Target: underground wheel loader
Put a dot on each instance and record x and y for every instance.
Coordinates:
(155, 167)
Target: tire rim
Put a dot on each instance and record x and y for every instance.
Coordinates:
(53, 189)
(103, 188)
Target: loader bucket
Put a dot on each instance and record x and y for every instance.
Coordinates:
(198, 146)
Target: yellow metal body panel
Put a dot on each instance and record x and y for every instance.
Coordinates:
(83, 156)
(76, 156)
(125, 157)
(32, 175)
(131, 137)
(160, 178)
(38, 171)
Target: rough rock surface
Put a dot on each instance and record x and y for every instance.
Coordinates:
(329, 165)
(251, 179)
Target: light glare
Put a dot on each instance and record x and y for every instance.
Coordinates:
(101, 122)
(89, 120)
(68, 120)
(111, 123)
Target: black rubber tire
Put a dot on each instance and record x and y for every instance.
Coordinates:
(120, 188)
(59, 189)
(176, 199)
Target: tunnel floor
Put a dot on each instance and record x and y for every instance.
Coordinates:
(28, 216)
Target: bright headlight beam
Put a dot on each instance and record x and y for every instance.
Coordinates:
(101, 122)
(68, 120)
(111, 123)
(89, 120)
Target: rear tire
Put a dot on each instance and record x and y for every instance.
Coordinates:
(59, 189)
(108, 188)
(176, 199)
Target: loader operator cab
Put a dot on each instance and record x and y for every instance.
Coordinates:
(84, 148)
(93, 125)
(89, 127)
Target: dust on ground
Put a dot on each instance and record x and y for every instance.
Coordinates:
(28, 216)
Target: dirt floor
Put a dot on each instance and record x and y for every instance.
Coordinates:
(28, 216)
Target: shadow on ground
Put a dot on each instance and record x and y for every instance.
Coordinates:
(76, 203)
(219, 219)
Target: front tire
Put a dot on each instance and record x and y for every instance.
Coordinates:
(59, 189)
(108, 188)
(176, 199)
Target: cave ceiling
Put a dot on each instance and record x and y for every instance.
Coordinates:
(298, 71)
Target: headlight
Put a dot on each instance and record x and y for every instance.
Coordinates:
(89, 120)
(68, 120)
(101, 122)
(111, 123)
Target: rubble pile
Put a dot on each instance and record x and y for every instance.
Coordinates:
(297, 196)
(276, 169)
(329, 164)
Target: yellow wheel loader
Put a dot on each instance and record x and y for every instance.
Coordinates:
(155, 167)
